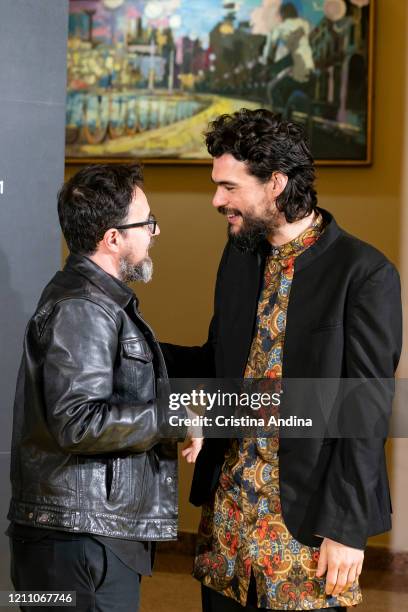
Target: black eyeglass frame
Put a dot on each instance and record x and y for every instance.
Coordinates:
(152, 222)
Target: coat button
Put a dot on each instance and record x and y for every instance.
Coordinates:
(169, 480)
(31, 515)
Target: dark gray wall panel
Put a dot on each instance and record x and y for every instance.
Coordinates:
(33, 49)
(33, 35)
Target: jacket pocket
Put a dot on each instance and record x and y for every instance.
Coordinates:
(141, 485)
(137, 349)
(97, 480)
(112, 476)
(135, 378)
(326, 326)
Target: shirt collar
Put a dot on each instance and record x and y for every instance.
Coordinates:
(299, 244)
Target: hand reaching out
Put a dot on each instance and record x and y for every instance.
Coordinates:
(194, 440)
(191, 449)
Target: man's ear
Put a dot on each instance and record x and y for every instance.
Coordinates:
(111, 240)
(277, 184)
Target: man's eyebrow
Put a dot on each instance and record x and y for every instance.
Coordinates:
(224, 182)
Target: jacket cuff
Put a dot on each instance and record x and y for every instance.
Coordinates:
(341, 529)
(171, 424)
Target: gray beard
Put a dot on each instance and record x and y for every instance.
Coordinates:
(129, 273)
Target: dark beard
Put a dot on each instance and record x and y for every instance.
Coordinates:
(252, 233)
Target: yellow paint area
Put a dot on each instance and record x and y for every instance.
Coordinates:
(180, 139)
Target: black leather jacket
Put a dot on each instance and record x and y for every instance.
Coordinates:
(91, 449)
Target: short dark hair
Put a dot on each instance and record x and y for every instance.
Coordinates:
(288, 11)
(267, 144)
(95, 199)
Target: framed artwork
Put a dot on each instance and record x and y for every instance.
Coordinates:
(145, 77)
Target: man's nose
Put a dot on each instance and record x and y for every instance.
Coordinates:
(157, 232)
(219, 198)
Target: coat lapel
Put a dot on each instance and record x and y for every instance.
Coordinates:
(239, 318)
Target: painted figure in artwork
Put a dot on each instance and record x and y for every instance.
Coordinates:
(288, 50)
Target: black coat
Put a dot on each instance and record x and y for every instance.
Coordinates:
(344, 321)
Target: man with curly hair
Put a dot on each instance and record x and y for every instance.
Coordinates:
(285, 520)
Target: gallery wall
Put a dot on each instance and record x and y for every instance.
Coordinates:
(365, 201)
(32, 113)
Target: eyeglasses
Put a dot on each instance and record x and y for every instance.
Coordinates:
(151, 222)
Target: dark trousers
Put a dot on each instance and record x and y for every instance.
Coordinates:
(212, 601)
(101, 581)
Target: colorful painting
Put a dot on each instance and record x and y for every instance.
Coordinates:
(145, 77)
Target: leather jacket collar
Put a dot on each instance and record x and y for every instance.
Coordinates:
(107, 283)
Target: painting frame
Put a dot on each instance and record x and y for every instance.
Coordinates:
(365, 161)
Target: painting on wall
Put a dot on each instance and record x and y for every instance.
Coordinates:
(145, 77)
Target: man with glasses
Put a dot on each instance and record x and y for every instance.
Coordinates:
(93, 468)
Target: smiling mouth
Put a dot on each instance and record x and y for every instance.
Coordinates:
(232, 215)
(232, 218)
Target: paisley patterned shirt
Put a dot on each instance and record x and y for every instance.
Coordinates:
(243, 530)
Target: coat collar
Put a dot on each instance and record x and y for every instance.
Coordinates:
(329, 235)
(107, 283)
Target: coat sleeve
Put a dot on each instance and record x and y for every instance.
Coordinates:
(373, 337)
(80, 343)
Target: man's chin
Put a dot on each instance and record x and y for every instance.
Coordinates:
(141, 272)
(234, 230)
(246, 241)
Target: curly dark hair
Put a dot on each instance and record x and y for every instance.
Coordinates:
(95, 199)
(288, 11)
(267, 144)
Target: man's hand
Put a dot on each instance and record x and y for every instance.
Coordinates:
(342, 563)
(191, 449)
(194, 440)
